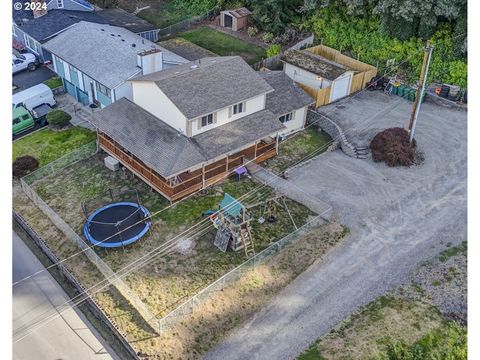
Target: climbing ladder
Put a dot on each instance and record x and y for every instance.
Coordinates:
(247, 239)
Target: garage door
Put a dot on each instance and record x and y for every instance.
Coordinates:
(340, 88)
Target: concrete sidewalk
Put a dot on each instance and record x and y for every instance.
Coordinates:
(39, 331)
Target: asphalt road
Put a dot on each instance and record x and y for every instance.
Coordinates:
(25, 79)
(69, 336)
(398, 217)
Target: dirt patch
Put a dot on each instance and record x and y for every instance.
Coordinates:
(197, 333)
(394, 148)
(387, 317)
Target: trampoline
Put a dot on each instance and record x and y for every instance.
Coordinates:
(117, 224)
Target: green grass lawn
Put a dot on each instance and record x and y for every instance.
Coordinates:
(53, 82)
(301, 145)
(47, 145)
(223, 44)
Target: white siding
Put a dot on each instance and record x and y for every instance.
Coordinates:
(297, 123)
(304, 77)
(151, 98)
(251, 106)
(124, 90)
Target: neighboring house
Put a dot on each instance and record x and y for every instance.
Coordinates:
(96, 61)
(191, 125)
(318, 72)
(30, 29)
(236, 19)
(122, 18)
(325, 73)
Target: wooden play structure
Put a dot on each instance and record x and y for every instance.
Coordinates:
(233, 223)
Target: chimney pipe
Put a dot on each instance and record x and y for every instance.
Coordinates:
(39, 8)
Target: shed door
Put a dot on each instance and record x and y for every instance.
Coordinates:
(228, 20)
(340, 88)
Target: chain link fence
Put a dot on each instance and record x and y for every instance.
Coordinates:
(186, 24)
(189, 306)
(111, 277)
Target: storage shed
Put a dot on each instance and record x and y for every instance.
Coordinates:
(235, 19)
(318, 72)
(326, 74)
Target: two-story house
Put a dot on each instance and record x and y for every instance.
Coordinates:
(96, 61)
(191, 125)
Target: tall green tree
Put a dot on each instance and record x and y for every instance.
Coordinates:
(274, 15)
(406, 18)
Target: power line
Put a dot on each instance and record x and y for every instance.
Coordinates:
(173, 244)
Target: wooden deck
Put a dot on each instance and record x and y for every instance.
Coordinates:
(186, 183)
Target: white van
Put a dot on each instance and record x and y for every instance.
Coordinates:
(33, 97)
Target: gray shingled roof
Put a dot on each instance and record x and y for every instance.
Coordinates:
(209, 84)
(158, 145)
(166, 150)
(109, 59)
(120, 17)
(287, 96)
(315, 64)
(236, 134)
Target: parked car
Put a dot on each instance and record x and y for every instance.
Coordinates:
(23, 62)
(33, 97)
(22, 120)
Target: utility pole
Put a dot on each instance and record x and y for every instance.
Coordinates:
(421, 90)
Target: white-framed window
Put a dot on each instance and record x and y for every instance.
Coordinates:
(14, 33)
(238, 108)
(103, 89)
(207, 120)
(31, 43)
(60, 4)
(285, 118)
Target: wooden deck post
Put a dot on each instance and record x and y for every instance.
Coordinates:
(203, 176)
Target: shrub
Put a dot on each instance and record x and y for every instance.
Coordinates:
(252, 31)
(58, 118)
(393, 147)
(24, 165)
(267, 37)
(273, 50)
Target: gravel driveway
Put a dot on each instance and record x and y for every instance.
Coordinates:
(398, 217)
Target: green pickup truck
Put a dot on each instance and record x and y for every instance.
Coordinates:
(23, 120)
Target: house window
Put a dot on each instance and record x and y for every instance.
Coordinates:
(238, 108)
(103, 89)
(285, 118)
(60, 4)
(207, 120)
(13, 30)
(31, 44)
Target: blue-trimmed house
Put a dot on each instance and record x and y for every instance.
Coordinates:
(96, 61)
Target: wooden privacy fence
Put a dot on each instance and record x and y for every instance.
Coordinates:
(363, 73)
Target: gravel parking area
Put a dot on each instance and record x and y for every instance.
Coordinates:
(398, 217)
